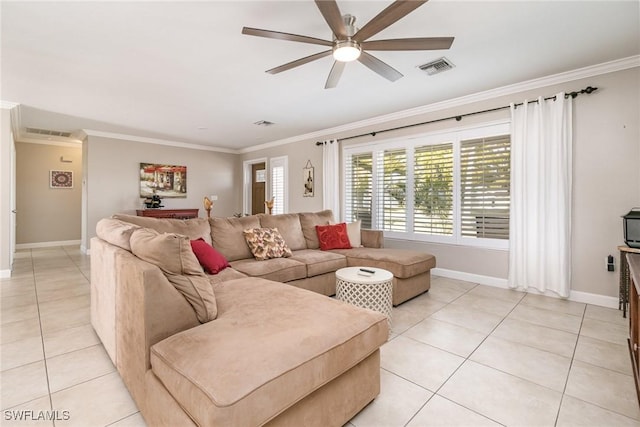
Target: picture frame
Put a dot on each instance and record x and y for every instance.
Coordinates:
(308, 183)
(165, 181)
(60, 179)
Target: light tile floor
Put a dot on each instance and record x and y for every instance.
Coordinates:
(460, 355)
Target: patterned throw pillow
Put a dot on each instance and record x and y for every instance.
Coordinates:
(266, 243)
(333, 236)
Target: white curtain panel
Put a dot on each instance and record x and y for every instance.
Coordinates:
(540, 224)
(331, 177)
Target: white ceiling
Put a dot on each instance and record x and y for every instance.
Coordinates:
(169, 69)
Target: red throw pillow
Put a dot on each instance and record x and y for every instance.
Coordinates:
(333, 236)
(210, 259)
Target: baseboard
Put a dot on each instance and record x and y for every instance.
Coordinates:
(576, 296)
(470, 277)
(5, 274)
(594, 299)
(47, 244)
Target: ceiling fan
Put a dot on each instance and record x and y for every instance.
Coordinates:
(350, 43)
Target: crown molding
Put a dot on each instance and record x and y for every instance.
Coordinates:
(158, 141)
(58, 143)
(565, 77)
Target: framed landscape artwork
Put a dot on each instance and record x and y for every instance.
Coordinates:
(60, 179)
(168, 181)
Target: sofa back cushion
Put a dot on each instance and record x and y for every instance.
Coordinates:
(227, 237)
(116, 232)
(194, 228)
(172, 253)
(266, 243)
(289, 227)
(309, 220)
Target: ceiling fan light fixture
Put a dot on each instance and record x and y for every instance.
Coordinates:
(346, 51)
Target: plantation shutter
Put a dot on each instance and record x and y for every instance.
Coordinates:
(358, 189)
(392, 177)
(433, 190)
(485, 168)
(278, 184)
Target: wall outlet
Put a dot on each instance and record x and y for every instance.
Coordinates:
(610, 263)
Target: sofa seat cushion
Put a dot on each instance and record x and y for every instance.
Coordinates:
(226, 274)
(278, 269)
(271, 345)
(319, 262)
(402, 263)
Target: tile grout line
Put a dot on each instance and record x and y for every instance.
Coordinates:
(590, 364)
(573, 356)
(458, 368)
(44, 352)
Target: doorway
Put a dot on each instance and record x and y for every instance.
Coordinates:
(255, 186)
(258, 182)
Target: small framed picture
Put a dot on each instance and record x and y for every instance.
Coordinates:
(60, 179)
(308, 182)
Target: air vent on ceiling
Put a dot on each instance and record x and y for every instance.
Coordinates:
(47, 132)
(263, 123)
(437, 66)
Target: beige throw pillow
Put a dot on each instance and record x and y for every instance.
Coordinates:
(194, 228)
(266, 243)
(353, 231)
(116, 232)
(172, 253)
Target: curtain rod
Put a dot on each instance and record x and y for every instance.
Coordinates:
(574, 94)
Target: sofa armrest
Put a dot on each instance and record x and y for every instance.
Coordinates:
(372, 238)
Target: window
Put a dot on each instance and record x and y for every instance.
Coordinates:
(279, 180)
(359, 185)
(393, 197)
(484, 187)
(433, 190)
(451, 187)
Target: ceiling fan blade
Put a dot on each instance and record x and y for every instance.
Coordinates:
(385, 70)
(284, 36)
(334, 75)
(299, 62)
(331, 13)
(397, 10)
(423, 43)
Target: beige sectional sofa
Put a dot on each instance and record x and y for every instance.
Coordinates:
(275, 354)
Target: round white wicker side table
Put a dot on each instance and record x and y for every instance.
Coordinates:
(366, 290)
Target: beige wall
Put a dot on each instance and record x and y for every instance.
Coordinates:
(6, 146)
(113, 178)
(298, 154)
(47, 214)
